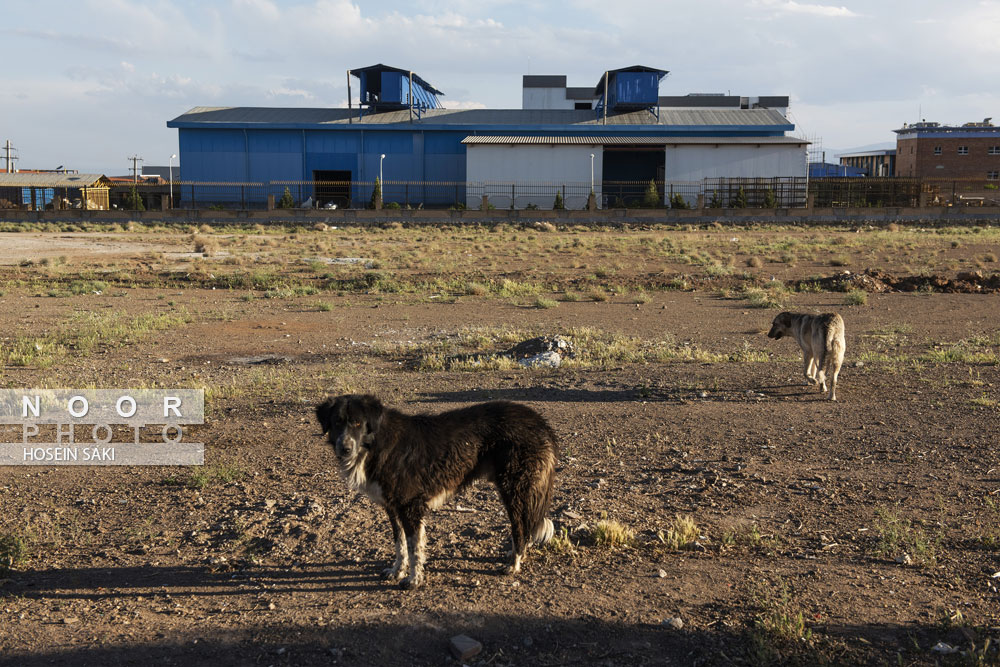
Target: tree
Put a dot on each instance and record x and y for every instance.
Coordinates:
(133, 201)
(740, 200)
(715, 202)
(558, 204)
(770, 201)
(376, 200)
(286, 200)
(652, 197)
(678, 201)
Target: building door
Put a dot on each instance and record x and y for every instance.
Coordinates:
(332, 187)
(628, 171)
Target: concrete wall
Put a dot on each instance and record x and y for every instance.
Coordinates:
(545, 98)
(542, 169)
(924, 217)
(685, 164)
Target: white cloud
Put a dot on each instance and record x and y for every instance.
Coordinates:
(793, 7)
(452, 104)
(282, 91)
(135, 65)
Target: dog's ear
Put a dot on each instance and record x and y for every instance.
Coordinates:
(324, 413)
(374, 411)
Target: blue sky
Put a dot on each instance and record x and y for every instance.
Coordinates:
(89, 83)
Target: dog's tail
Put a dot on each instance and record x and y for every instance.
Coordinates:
(544, 532)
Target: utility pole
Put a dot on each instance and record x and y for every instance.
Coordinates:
(135, 159)
(10, 156)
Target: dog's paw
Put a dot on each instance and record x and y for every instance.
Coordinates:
(411, 582)
(393, 573)
(513, 567)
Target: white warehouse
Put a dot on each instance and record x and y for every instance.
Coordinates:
(616, 138)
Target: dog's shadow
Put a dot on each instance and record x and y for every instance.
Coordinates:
(627, 395)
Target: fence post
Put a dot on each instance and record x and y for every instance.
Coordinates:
(592, 201)
(270, 201)
(485, 204)
(810, 201)
(701, 203)
(924, 198)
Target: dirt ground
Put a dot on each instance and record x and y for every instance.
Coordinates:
(865, 531)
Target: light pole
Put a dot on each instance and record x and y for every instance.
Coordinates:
(381, 157)
(591, 172)
(170, 174)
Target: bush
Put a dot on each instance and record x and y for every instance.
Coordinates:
(856, 297)
(770, 201)
(740, 200)
(652, 197)
(133, 201)
(13, 551)
(677, 201)
(376, 199)
(394, 206)
(715, 202)
(286, 200)
(558, 204)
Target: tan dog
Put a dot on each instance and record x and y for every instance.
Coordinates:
(821, 338)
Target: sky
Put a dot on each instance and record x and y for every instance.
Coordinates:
(90, 83)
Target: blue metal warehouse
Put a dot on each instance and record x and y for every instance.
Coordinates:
(402, 131)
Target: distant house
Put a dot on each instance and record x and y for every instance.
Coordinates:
(830, 170)
(36, 191)
(871, 163)
(933, 150)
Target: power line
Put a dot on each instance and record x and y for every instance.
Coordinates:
(135, 159)
(10, 157)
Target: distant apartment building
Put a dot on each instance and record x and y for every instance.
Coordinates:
(871, 163)
(933, 150)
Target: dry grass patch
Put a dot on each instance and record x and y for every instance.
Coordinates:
(682, 533)
(610, 533)
(14, 552)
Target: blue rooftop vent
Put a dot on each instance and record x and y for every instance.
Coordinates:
(629, 89)
(385, 88)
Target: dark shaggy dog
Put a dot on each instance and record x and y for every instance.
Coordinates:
(409, 464)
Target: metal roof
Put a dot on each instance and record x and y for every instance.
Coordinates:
(721, 119)
(28, 180)
(883, 153)
(386, 68)
(628, 141)
(599, 88)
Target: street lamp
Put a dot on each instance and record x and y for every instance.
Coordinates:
(170, 174)
(381, 157)
(591, 172)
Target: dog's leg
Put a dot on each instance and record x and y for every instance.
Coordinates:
(821, 370)
(518, 518)
(413, 525)
(808, 369)
(398, 569)
(836, 357)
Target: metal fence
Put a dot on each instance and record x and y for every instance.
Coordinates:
(865, 192)
(962, 192)
(711, 193)
(719, 192)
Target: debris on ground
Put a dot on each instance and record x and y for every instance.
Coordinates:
(464, 647)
